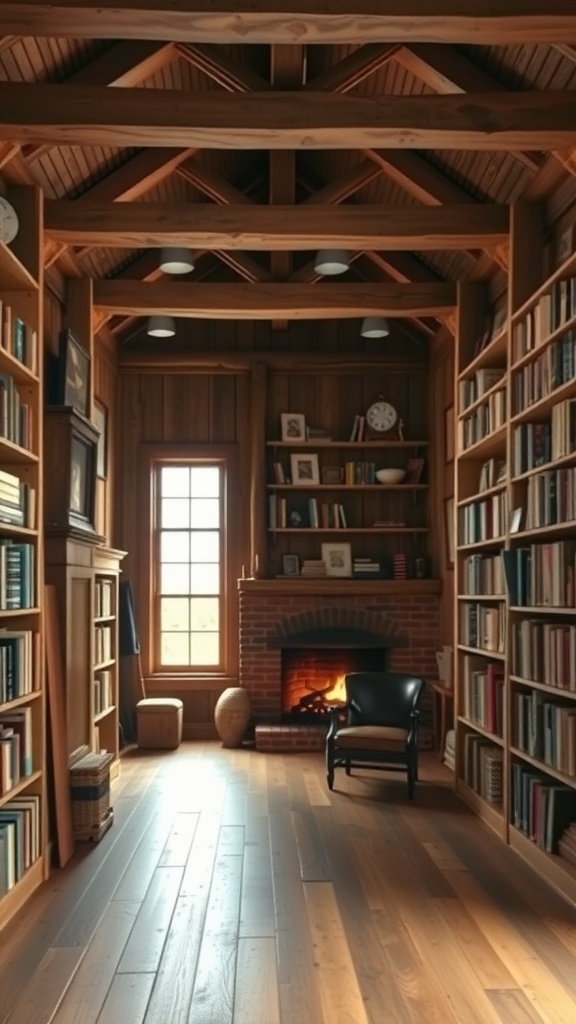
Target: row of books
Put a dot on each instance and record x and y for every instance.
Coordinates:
(17, 501)
(483, 520)
(546, 729)
(553, 309)
(551, 498)
(103, 694)
(15, 415)
(482, 574)
(17, 575)
(545, 652)
(541, 809)
(541, 575)
(492, 472)
(536, 380)
(18, 338)
(483, 626)
(471, 389)
(483, 693)
(16, 663)
(20, 838)
(15, 746)
(485, 419)
(103, 598)
(483, 767)
(103, 646)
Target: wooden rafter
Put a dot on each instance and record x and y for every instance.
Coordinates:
(229, 74)
(353, 69)
(295, 21)
(91, 115)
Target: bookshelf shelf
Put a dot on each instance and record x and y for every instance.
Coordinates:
(546, 769)
(347, 487)
(493, 354)
(296, 445)
(536, 609)
(482, 652)
(533, 353)
(12, 454)
(101, 715)
(25, 783)
(481, 597)
(483, 398)
(544, 405)
(546, 531)
(545, 687)
(481, 495)
(565, 460)
(348, 529)
(471, 724)
(492, 542)
(13, 274)
(492, 444)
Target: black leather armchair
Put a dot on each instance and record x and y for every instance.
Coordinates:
(378, 725)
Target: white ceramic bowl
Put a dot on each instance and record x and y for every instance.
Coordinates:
(390, 476)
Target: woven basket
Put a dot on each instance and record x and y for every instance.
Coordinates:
(90, 795)
(232, 715)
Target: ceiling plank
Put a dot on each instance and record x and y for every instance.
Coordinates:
(295, 21)
(206, 225)
(277, 300)
(92, 115)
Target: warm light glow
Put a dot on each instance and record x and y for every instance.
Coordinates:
(335, 694)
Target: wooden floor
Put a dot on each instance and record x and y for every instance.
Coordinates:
(234, 889)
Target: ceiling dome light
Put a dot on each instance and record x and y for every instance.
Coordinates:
(331, 261)
(375, 327)
(176, 261)
(161, 327)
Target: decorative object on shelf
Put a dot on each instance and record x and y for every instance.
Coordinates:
(295, 518)
(516, 516)
(382, 419)
(414, 469)
(332, 474)
(374, 327)
(337, 558)
(449, 434)
(390, 476)
(176, 260)
(305, 469)
(74, 364)
(9, 223)
(232, 715)
(329, 262)
(449, 528)
(290, 565)
(161, 327)
(293, 426)
(100, 417)
(420, 568)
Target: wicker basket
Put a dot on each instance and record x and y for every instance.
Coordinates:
(90, 796)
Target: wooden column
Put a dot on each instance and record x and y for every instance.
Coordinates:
(257, 470)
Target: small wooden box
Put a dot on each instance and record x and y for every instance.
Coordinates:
(159, 723)
(90, 796)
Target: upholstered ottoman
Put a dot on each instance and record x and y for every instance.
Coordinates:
(159, 722)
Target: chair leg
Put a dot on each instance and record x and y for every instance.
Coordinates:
(411, 781)
(330, 779)
(348, 770)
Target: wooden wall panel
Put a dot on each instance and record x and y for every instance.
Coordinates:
(105, 392)
(442, 369)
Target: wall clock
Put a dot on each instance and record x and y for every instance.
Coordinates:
(382, 418)
(9, 222)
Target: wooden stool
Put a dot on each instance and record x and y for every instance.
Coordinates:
(159, 722)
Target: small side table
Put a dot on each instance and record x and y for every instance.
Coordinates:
(442, 713)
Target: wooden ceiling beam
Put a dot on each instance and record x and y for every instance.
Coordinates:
(358, 226)
(353, 69)
(92, 115)
(213, 185)
(229, 74)
(339, 189)
(277, 300)
(295, 21)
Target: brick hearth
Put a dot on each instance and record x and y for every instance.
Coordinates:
(272, 611)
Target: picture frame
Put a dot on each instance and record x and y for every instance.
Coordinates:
(449, 531)
(82, 481)
(100, 420)
(449, 428)
(290, 565)
(293, 426)
(74, 365)
(304, 469)
(414, 470)
(337, 558)
(331, 474)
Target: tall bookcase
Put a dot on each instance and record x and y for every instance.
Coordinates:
(23, 839)
(516, 556)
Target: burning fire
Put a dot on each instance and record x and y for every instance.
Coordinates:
(335, 694)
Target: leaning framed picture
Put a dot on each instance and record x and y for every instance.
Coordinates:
(100, 419)
(304, 469)
(74, 385)
(293, 426)
(290, 565)
(337, 558)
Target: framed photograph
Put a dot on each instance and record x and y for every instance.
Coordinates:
(338, 559)
(74, 374)
(100, 419)
(331, 474)
(293, 426)
(516, 520)
(449, 428)
(450, 531)
(290, 565)
(82, 477)
(305, 469)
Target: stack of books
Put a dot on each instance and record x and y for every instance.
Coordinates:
(313, 567)
(400, 567)
(366, 568)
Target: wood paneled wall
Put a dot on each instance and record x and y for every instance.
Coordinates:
(443, 416)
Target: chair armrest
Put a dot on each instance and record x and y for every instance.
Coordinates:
(336, 711)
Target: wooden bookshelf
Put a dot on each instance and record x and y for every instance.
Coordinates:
(23, 806)
(536, 666)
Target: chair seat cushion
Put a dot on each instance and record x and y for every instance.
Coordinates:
(372, 737)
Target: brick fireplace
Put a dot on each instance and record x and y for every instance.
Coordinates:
(277, 615)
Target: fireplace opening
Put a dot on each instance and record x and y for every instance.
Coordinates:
(313, 678)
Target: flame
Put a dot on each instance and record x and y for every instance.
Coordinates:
(336, 694)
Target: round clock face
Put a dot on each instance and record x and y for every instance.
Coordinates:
(8, 221)
(381, 416)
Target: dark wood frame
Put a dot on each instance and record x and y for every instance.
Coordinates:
(100, 419)
(74, 377)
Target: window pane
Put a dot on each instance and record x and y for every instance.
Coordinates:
(205, 648)
(174, 579)
(175, 648)
(205, 579)
(174, 614)
(175, 512)
(205, 481)
(175, 547)
(205, 512)
(204, 613)
(175, 481)
(205, 546)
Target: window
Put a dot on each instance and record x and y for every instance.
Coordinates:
(189, 564)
